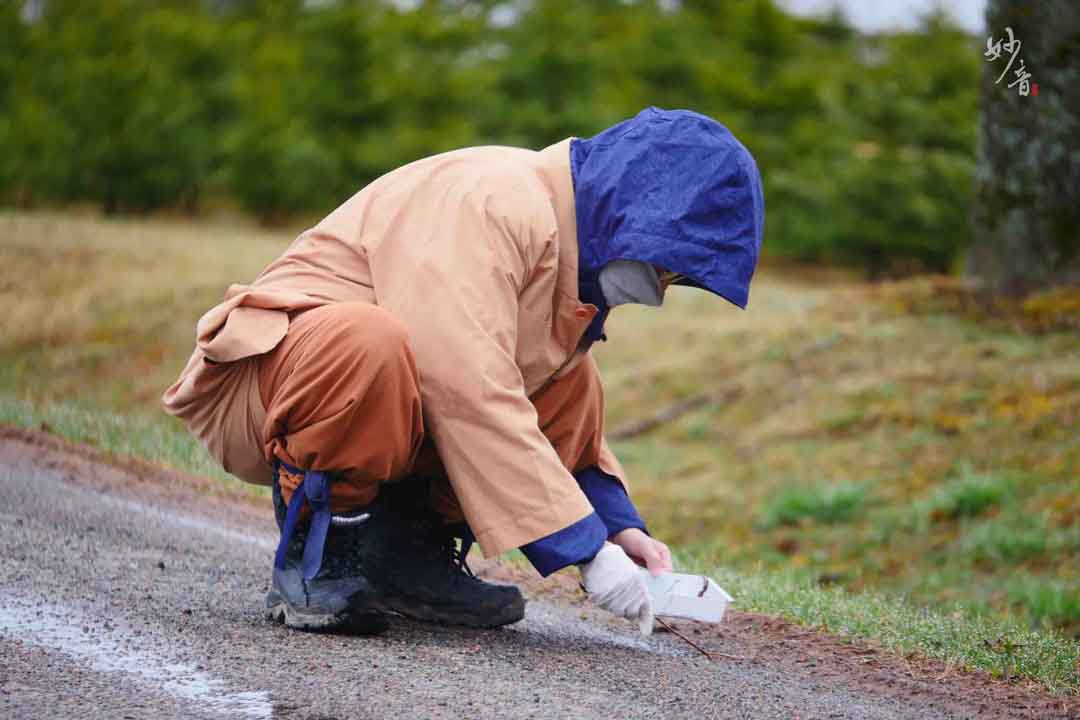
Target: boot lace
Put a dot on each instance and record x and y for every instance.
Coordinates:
(443, 542)
(458, 556)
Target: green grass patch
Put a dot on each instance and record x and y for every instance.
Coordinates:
(1009, 540)
(824, 503)
(968, 495)
(964, 494)
(1048, 602)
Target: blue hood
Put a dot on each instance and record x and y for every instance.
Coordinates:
(672, 188)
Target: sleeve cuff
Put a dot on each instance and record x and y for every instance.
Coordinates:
(572, 545)
(608, 497)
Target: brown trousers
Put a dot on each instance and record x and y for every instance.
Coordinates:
(342, 394)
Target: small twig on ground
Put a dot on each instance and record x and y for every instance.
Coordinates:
(712, 655)
(724, 395)
(674, 412)
(665, 415)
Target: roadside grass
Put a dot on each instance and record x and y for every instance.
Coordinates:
(867, 441)
(157, 439)
(1005, 648)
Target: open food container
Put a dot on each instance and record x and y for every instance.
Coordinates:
(693, 597)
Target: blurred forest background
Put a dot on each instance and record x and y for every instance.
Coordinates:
(287, 107)
(906, 437)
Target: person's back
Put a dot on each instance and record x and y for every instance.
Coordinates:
(330, 261)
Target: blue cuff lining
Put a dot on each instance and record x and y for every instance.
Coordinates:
(573, 544)
(609, 499)
(581, 541)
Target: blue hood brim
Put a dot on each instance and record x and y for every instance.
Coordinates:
(673, 188)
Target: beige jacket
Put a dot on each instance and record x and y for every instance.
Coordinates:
(475, 251)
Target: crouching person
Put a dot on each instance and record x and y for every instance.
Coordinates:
(415, 369)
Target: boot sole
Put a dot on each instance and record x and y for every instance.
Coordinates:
(423, 612)
(359, 622)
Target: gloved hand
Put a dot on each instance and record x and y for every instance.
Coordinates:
(614, 583)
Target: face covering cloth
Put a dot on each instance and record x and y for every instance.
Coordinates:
(630, 281)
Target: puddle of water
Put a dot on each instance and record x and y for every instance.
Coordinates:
(61, 628)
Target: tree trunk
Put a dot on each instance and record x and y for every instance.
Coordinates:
(1027, 188)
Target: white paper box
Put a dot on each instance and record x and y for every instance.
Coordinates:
(694, 597)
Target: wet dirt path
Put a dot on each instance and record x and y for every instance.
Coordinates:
(128, 594)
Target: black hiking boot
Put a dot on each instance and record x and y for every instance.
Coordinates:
(338, 598)
(412, 560)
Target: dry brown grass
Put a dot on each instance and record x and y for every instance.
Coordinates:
(104, 312)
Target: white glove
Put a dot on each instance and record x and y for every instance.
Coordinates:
(614, 583)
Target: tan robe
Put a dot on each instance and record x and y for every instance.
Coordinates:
(475, 253)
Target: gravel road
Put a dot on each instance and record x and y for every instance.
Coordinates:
(128, 596)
